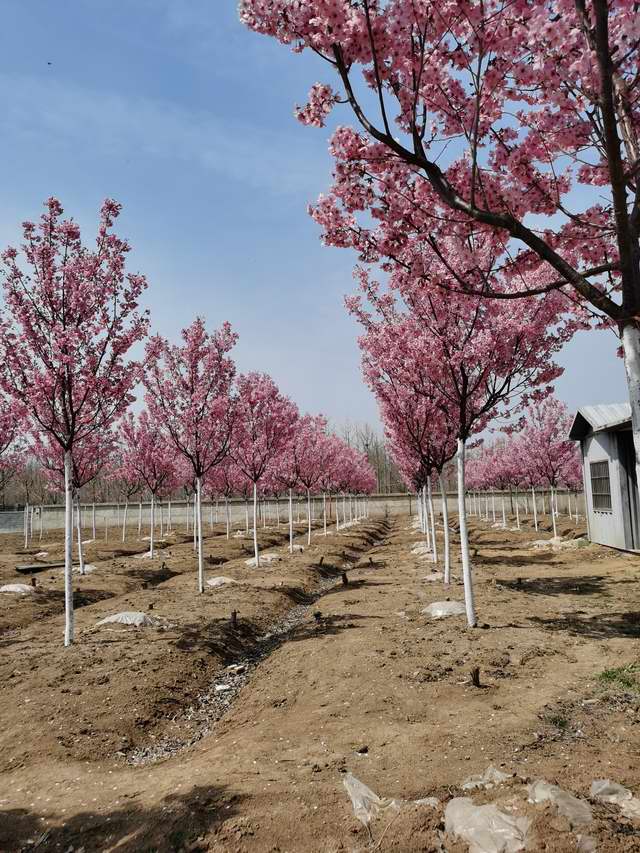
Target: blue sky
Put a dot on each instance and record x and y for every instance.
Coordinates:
(185, 117)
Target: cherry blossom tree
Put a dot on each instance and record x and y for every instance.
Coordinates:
(545, 448)
(71, 318)
(148, 457)
(264, 423)
(188, 393)
(517, 120)
(476, 359)
(310, 450)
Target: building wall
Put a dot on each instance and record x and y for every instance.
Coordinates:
(606, 528)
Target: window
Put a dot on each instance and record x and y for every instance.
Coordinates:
(601, 486)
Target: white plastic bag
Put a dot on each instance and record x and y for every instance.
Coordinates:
(130, 617)
(487, 829)
(577, 812)
(221, 580)
(440, 609)
(491, 777)
(612, 792)
(366, 804)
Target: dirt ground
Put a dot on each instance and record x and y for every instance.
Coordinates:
(123, 743)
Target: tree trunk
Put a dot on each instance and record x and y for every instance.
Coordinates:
(195, 523)
(79, 534)
(26, 525)
(447, 539)
(124, 520)
(517, 512)
(246, 516)
(68, 554)
(169, 522)
(211, 516)
(324, 512)
(199, 521)
(153, 524)
(255, 524)
(308, 517)
(228, 520)
(553, 514)
(93, 520)
(493, 507)
(504, 514)
(140, 517)
(535, 507)
(434, 545)
(42, 520)
(464, 541)
(290, 522)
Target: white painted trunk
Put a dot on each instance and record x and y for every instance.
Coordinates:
(290, 521)
(337, 514)
(139, 518)
(93, 520)
(79, 536)
(188, 515)
(124, 520)
(493, 507)
(161, 508)
(255, 524)
(324, 513)
(308, 517)
(42, 520)
(211, 516)
(199, 523)
(464, 541)
(504, 514)
(447, 537)
(169, 521)
(153, 525)
(26, 525)
(553, 515)
(535, 507)
(195, 523)
(425, 511)
(434, 543)
(228, 520)
(68, 551)
(517, 512)
(246, 516)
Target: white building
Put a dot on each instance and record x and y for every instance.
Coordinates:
(609, 471)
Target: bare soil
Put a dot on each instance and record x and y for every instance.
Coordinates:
(122, 743)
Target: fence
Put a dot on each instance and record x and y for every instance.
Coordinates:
(111, 516)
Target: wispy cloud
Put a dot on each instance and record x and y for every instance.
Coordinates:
(112, 124)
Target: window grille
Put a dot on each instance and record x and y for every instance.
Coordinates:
(601, 486)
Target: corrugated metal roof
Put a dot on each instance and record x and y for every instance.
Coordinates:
(603, 416)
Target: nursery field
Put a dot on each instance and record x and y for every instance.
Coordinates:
(205, 732)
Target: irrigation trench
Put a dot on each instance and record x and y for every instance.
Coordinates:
(219, 698)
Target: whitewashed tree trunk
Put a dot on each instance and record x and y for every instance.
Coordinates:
(434, 545)
(493, 507)
(308, 517)
(42, 520)
(553, 514)
(504, 515)
(26, 525)
(199, 522)
(535, 507)
(153, 525)
(517, 512)
(195, 523)
(161, 508)
(169, 520)
(140, 517)
(228, 520)
(290, 521)
(447, 535)
(68, 551)
(124, 520)
(246, 516)
(464, 541)
(211, 515)
(255, 524)
(79, 535)
(324, 512)
(427, 526)
(93, 520)
(278, 512)
(217, 518)
(337, 502)
(188, 512)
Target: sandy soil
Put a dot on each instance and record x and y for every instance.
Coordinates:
(123, 743)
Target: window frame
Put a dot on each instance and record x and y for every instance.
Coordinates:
(600, 484)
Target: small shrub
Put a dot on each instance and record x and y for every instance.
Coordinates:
(626, 677)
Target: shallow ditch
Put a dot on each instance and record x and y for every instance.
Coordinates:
(214, 703)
